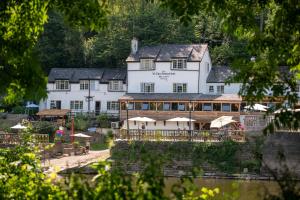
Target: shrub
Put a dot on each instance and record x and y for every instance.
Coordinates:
(18, 110)
(103, 121)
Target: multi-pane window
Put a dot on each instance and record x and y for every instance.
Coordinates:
(76, 105)
(226, 107)
(211, 89)
(55, 104)
(220, 89)
(113, 105)
(179, 87)
(147, 64)
(115, 86)
(147, 87)
(62, 84)
(84, 84)
(178, 63)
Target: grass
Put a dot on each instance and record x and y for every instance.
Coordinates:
(99, 146)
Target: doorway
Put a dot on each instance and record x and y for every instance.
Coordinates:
(97, 107)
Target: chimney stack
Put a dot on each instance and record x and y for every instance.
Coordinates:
(134, 45)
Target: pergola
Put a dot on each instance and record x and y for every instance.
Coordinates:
(55, 113)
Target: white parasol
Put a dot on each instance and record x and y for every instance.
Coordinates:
(18, 126)
(221, 121)
(180, 119)
(257, 107)
(81, 135)
(141, 119)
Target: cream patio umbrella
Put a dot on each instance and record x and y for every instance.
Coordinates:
(221, 121)
(257, 107)
(141, 119)
(18, 127)
(180, 119)
(81, 135)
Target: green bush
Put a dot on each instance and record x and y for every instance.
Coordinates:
(81, 123)
(18, 110)
(103, 121)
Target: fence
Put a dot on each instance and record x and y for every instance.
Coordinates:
(13, 138)
(179, 135)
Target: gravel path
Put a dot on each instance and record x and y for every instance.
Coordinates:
(63, 163)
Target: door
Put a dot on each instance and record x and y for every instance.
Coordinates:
(97, 107)
(58, 104)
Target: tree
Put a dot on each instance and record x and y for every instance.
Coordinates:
(21, 24)
(271, 30)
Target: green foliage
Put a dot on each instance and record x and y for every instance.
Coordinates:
(103, 121)
(45, 127)
(81, 122)
(18, 110)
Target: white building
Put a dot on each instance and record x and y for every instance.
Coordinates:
(164, 81)
(92, 90)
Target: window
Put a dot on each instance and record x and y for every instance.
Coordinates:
(178, 63)
(113, 105)
(147, 64)
(207, 67)
(226, 107)
(76, 105)
(145, 106)
(198, 106)
(207, 107)
(216, 107)
(211, 89)
(234, 107)
(138, 106)
(115, 86)
(152, 106)
(174, 106)
(84, 84)
(62, 85)
(181, 106)
(130, 106)
(179, 87)
(55, 104)
(159, 106)
(147, 87)
(166, 106)
(220, 89)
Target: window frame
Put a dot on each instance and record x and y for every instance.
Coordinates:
(220, 89)
(115, 86)
(76, 105)
(177, 85)
(211, 90)
(147, 64)
(112, 105)
(148, 85)
(176, 62)
(62, 84)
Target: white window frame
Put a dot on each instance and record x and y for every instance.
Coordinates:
(220, 89)
(178, 64)
(115, 85)
(147, 87)
(76, 105)
(211, 89)
(147, 64)
(84, 84)
(53, 104)
(62, 85)
(113, 105)
(179, 87)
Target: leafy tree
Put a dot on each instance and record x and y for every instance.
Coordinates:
(21, 24)
(271, 30)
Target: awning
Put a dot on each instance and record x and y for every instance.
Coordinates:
(54, 112)
(141, 119)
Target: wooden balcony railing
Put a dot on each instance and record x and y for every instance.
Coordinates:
(178, 135)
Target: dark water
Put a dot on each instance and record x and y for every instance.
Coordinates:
(246, 190)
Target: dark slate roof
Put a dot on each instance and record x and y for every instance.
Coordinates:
(179, 97)
(193, 52)
(219, 74)
(74, 75)
(114, 74)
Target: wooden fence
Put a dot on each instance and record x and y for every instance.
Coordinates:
(179, 135)
(13, 138)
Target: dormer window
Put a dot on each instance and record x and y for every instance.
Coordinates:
(115, 86)
(147, 64)
(62, 85)
(179, 64)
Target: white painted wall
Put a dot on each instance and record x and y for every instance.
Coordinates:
(203, 72)
(232, 88)
(100, 94)
(163, 83)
